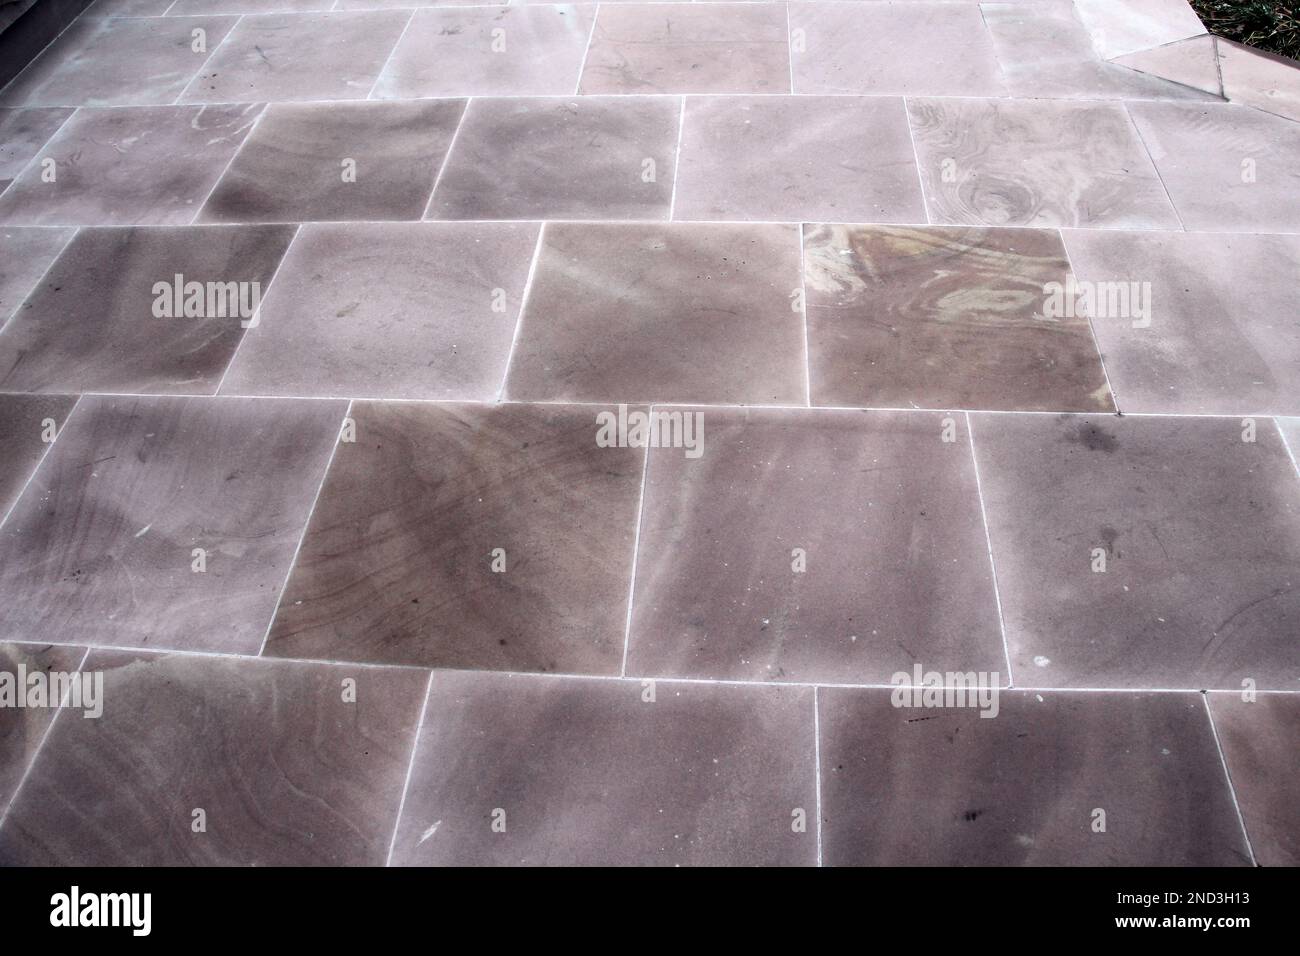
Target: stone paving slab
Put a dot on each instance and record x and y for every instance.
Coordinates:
(649, 433)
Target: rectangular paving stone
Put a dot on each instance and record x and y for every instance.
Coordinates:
(1036, 163)
(489, 51)
(399, 562)
(947, 787)
(580, 158)
(833, 158)
(25, 254)
(299, 56)
(100, 548)
(713, 48)
(1045, 51)
(589, 772)
(134, 8)
(149, 165)
(337, 161)
(118, 62)
(1223, 333)
(918, 48)
(1143, 552)
(1228, 168)
(390, 310)
(103, 318)
(22, 134)
(683, 312)
(285, 769)
(800, 545)
(22, 729)
(1258, 739)
(29, 424)
(945, 317)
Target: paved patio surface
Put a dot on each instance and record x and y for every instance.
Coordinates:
(972, 331)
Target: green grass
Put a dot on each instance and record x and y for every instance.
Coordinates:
(1272, 25)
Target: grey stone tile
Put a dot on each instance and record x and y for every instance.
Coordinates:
(100, 548)
(903, 786)
(588, 772)
(287, 771)
(682, 312)
(148, 165)
(1036, 163)
(1258, 739)
(1045, 51)
(1222, 336)
(337, 161)
(1198, 533)
(489, 51)
(1260, 79)
(1228, 168)
(1126, 26)
(299, 56)
(97, 321)
(400, 563)
(835, 158)
(945, 317)
(754, 561)
(917, 48)
(713, 48)
(118, 62)
(390, 310)
(580, 158)
(28, 426)
(23, 728)
(22, 134)
(1192, 62)
(25, 254)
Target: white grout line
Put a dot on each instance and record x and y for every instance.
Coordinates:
(239, 18)
(1277, 423)
(155, 651)
(323, 101)
(1054, 413)
(433, 222)
(239, 148)
(677, 159)
(1227, 776)
(45, 454)
(817, 763)
(37, 156)
(410, 18)
(803, 296)
(916, 161)
(446, 161)
(1154, 168)
(591, 35)
(1092, 328)
(257, 316)
(41, 746)
(988, 540)
(306, 525)
(789, 47)
(519, 320)
(636, 547)
(13, 316)
(410, 767)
